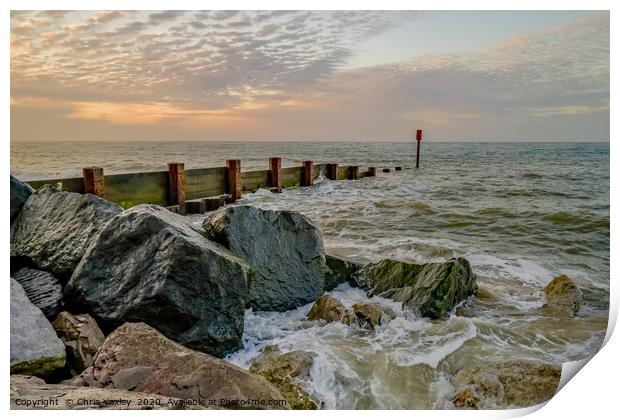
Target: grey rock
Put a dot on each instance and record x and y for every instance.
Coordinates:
(54, 228)
(284, 249)
(20, 191)
(42, 288)
(35, 349)
(431, 289)
(151, 265)
(339, 271)
(82, 338)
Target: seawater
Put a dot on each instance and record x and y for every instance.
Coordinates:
(521, 213)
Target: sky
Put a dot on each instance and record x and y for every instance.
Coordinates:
(309, 75)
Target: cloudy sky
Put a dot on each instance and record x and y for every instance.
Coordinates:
(368, 76)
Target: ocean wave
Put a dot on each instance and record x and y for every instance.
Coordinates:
(532, 175)
(584, 221)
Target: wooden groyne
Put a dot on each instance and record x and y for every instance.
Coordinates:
(198, 190)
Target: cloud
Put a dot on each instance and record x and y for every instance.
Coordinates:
(282, 72)
(105, 16)
(567, 110)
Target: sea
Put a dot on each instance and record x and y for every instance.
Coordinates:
(522, 213)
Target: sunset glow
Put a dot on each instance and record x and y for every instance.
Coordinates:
(369, 76)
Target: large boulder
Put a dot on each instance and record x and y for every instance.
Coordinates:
(82, 338)
(54, 228)
(136, 357)
(511, 384)
(151, 265)
(42, 288)
(339, 271)
(562, 293)
(288, 372)
(35, 349)
(431, 289)
(20, 191)
(284, 249)
(32, 393)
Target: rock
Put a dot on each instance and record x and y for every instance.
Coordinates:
(20, 191)
(138, 358)
(82, 338)
(348, 318)
(32, 393)
(284, 249)
(369, 314)
(55, 228)
(35, 349)
(562, 293)
(328, 309)
(42, 289)
(287, 371)
(151, 265)
(339, 271)
(431, 289)
(510, 384)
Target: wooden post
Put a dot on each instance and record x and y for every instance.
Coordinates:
(372, 171)
(418, 137)
(176, 179)
(306, 173)
(93, 181)
(233, 178)
(275, 167)
(354, 172)
(332, 171)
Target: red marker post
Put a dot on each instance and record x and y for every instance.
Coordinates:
(418, 137)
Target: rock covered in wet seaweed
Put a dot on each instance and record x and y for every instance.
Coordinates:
(42, 288)
(54, 228)
(510, 384)
(82, 338)
(20, 191)
(284, 249)
(35, 349)
(431, 289)
(138, 358)
(287, 371)
(151, 265)
(562, 293)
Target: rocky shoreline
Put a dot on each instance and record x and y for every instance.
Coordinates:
(144, 304)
